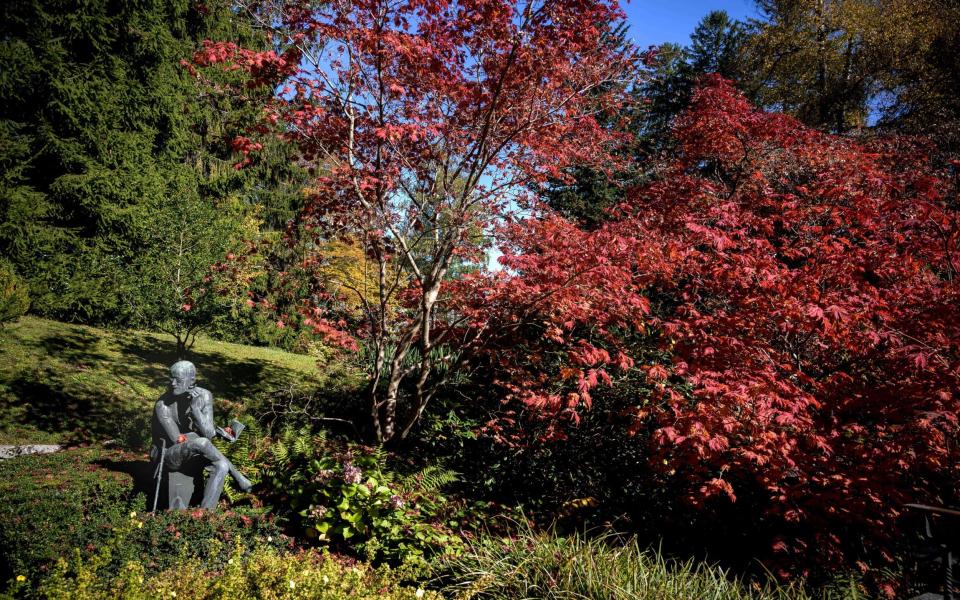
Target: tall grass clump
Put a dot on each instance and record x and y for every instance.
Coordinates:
(606, 567)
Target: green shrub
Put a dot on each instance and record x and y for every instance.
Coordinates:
(50, 504)
(14, 298)
(548, 566)
(250, 572)
(343, 494)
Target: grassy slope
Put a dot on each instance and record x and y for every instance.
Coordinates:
(61, 382)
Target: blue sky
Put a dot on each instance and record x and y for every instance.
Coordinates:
(653, 22)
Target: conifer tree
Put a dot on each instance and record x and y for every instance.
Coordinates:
(105, 140)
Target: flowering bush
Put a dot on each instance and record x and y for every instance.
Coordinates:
(342, 494)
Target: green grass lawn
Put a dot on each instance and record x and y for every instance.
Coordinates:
(61, 382)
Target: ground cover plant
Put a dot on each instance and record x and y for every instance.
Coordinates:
(545, 565)
(251, 571)
(80, 500)
(74, 525)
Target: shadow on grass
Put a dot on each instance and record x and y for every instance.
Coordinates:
(141, 471)
(78, 415)
(86, 387)
(228, 378)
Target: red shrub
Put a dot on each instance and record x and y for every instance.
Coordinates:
(814, 322)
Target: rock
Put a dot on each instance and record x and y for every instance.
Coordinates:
(14, 451)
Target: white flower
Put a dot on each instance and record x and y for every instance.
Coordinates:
(269, 538)
(133, 514)
(173, 594)
(419, 593)
(292, 584)
(326, 579)
(230, 562)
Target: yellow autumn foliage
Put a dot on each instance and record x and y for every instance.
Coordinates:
(352, 278)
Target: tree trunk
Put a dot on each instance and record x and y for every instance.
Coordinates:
(823, 104)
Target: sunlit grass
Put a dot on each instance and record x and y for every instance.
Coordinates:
(547, 566)
(62, 382)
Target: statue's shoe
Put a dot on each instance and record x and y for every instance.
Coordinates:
(243, 483)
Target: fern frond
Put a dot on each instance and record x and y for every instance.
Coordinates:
(430, 479)
(303, 445)
(280, 451)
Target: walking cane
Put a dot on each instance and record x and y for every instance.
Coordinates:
(159, 473)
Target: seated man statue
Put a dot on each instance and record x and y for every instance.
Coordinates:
(183, 431)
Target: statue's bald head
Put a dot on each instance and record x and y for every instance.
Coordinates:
(183, 376)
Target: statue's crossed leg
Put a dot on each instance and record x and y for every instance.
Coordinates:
(201, 449)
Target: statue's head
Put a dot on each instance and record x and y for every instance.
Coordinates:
(183, 377)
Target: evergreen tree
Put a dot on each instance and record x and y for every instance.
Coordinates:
(105, 140)
(666, 93)
(662, 92)
(587, 193)
(716, 45)
(919, 43)
(816, 60)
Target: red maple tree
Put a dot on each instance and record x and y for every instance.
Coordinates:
(425, 120)
(819, 322)
(810, 307)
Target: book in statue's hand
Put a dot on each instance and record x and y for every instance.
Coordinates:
(231, 432)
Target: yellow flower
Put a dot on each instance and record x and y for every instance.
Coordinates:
(139, 524)
(133, 514)
(21, 578)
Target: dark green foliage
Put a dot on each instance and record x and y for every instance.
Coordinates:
(171, 537)
(14, 299)
(589, 192)
(52, 504)
(716, 45)
(108, 153)
(667, 91)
